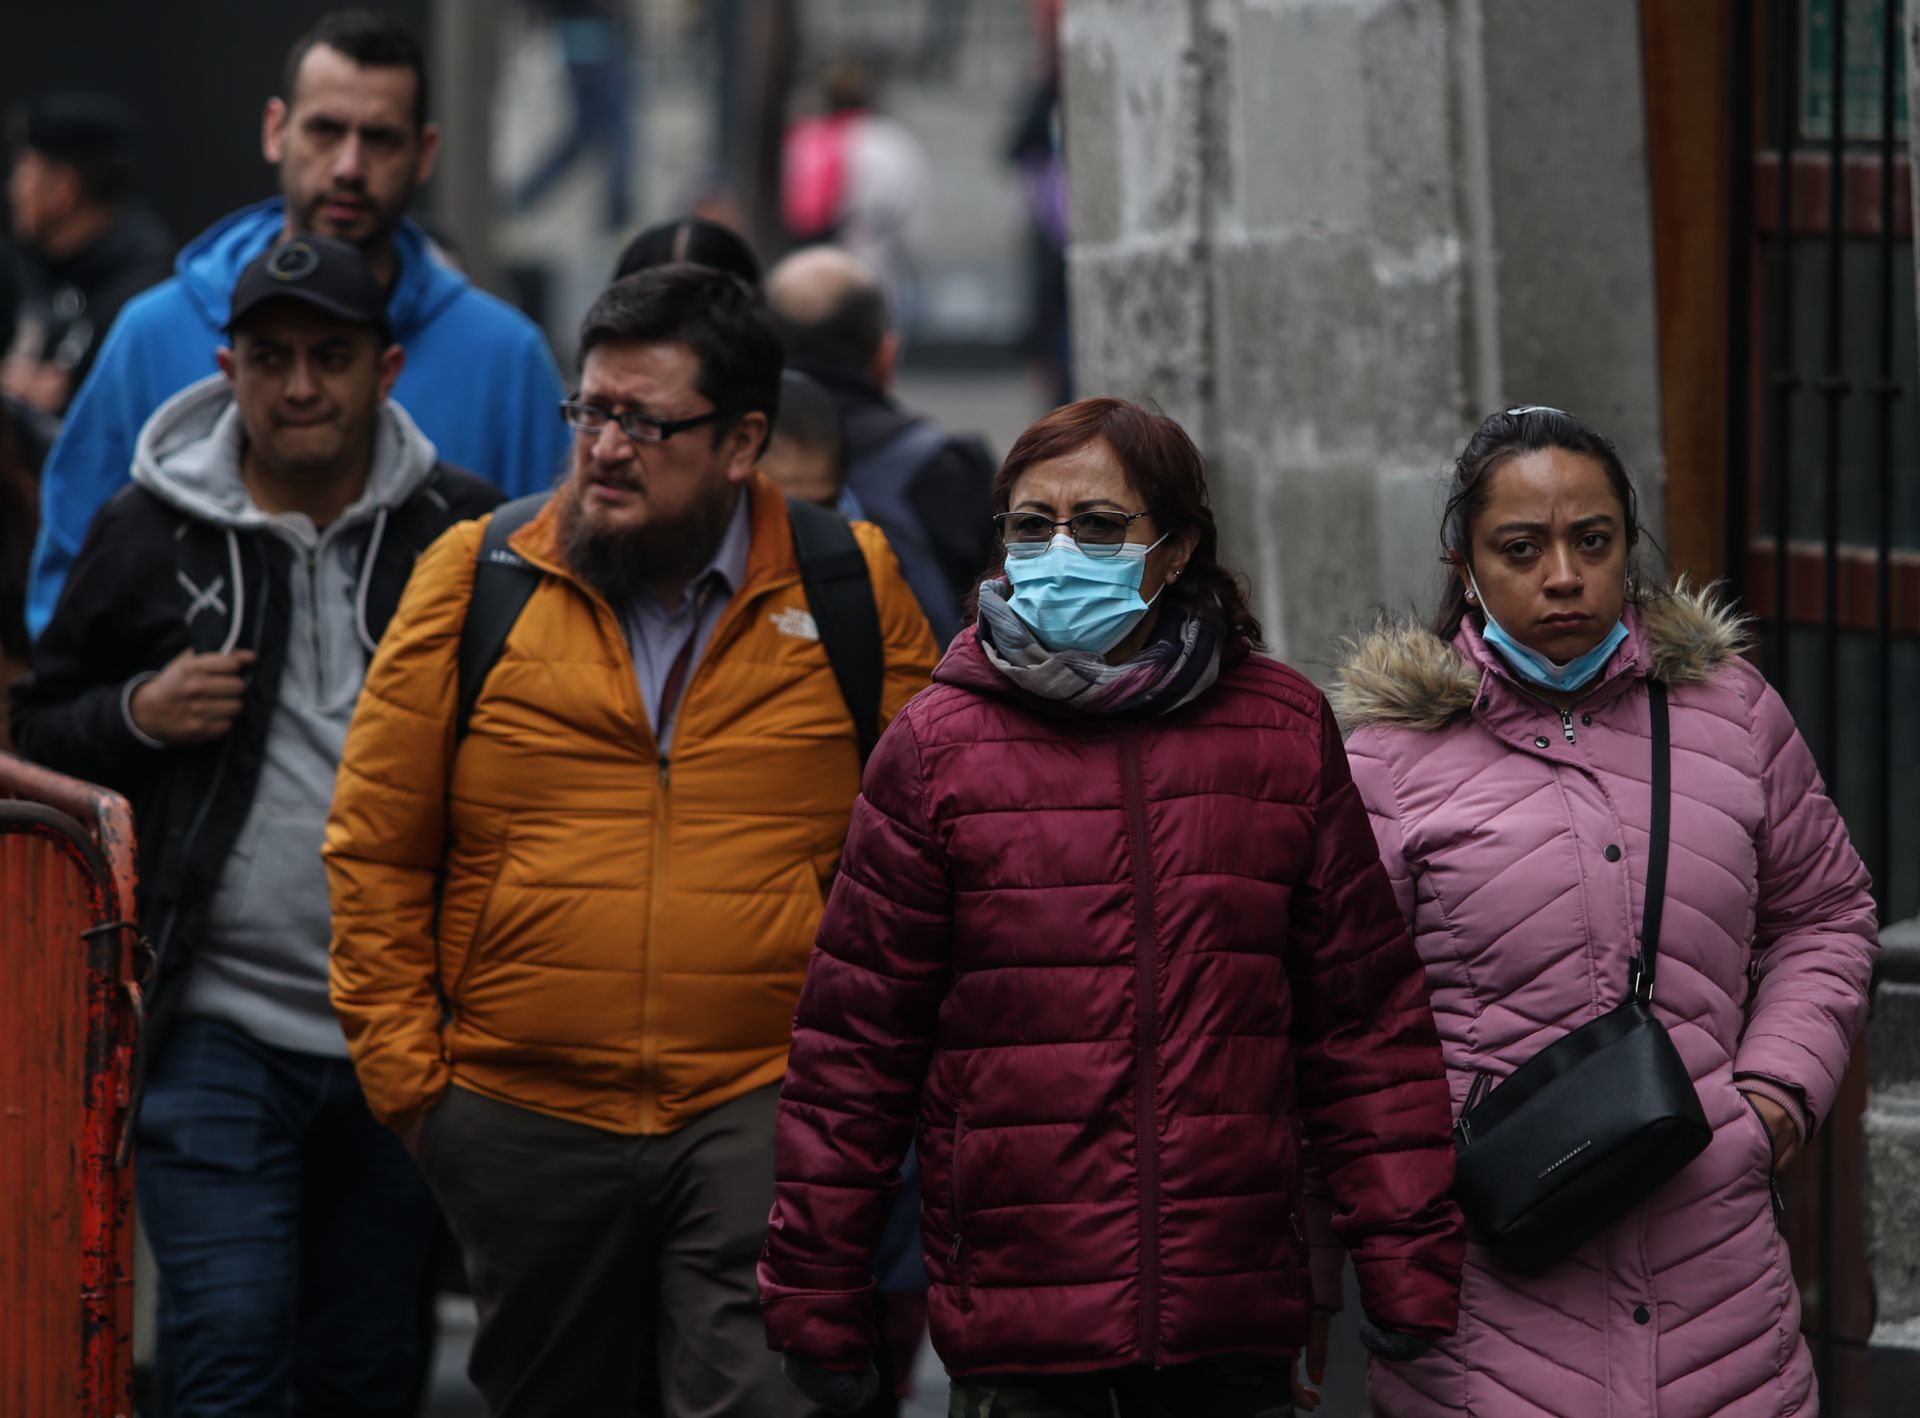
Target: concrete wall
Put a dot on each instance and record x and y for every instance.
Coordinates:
(1330, 235)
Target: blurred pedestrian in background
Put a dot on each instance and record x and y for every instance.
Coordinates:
(352, 144)
(861, 180)
(1504, 754)
(1037, 150)
(205, 659)
(1111, 926)
(596, 41)
(90, 245)
(930, 491)
(574, 892)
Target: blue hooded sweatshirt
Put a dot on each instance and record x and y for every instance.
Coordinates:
(479, 381)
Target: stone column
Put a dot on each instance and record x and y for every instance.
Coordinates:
(1330, 235)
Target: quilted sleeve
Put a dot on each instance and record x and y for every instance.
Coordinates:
(862, 1036)
(1371, 1083)
(387, 837)
(1816, 936)
(1367, 760)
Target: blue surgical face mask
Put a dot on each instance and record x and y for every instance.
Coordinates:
(1072, 601)
(1535, 667)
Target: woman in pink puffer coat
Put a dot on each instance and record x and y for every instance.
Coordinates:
(1505, 758)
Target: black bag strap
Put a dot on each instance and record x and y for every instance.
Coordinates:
(839, 590)
(503, 582)
(833, 570)
(1640, 977)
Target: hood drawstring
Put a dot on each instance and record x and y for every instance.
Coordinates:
(239, 593)
(367, 558)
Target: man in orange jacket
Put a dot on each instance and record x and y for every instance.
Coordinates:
(569, 933)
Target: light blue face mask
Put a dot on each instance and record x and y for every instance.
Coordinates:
(1535, 667)
(1072, 601)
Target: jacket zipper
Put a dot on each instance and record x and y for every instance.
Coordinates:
(956, 1257)
(650, 968)
(1477, 1091)
(615, 634)
(1566, 724)
(313, 624)
(1146, 1047)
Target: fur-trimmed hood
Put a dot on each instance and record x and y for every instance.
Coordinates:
(1401, 673)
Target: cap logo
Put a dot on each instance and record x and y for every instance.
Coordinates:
(293, 262)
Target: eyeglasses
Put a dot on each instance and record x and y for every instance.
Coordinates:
(1095, 533)
(641, 428)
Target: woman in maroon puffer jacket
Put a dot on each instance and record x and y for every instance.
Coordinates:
(1111, 926)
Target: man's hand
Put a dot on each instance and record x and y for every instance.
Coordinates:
(195, 699)
(1315, 1360)
(1780, 1128)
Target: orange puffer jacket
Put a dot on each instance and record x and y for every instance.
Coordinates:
(615, 944)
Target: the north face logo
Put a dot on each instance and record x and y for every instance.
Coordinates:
(795, 622)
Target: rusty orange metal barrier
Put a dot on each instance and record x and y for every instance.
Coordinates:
(70, 1011)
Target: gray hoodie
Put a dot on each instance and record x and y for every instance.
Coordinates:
(263, 962)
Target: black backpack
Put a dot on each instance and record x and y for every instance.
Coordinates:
(833, 572)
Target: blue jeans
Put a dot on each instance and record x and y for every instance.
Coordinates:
(291, 1231)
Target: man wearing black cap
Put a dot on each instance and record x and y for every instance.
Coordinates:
(92, 247)
(204, 659)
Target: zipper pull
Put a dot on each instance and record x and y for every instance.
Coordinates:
(953, 1256)
(1566, 724)
(666, 770)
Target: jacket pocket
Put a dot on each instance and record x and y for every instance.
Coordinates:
(478, 934)
(1766, 1133)
(957, 1257)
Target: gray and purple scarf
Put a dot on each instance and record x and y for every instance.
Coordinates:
(1179, 662)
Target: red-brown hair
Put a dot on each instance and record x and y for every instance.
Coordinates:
(1166, 470)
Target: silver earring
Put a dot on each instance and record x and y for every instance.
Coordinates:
(1473, 595)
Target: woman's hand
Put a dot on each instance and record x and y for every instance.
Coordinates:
(1315, 1360)
(1780, 1127)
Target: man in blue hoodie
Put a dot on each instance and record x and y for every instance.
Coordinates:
(352, 144)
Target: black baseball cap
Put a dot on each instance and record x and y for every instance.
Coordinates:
(322, 271)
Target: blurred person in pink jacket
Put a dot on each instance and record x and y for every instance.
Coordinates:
(1504, 755)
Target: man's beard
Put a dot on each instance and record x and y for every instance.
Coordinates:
(620, 562)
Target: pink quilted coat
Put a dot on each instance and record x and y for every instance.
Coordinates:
(1516, 838)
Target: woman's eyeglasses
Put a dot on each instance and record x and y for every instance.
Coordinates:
(1095, 533)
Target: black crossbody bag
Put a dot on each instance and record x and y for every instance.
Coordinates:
(1588, 1127)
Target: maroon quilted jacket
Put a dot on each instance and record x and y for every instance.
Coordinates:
(1110, 967)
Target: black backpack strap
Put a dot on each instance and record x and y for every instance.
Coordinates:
(1643, 964)
(839, 591)
(503, 582)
